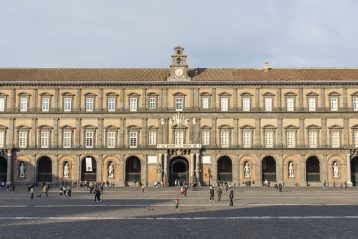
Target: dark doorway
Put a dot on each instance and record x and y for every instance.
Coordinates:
(269, 169)
(224, 169)
(312, 169)
(44, 169)
(179, 169)
(3, 169)
(89, 169)
(133, 169)
(354, 171)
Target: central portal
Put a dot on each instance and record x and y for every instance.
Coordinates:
(179, 169)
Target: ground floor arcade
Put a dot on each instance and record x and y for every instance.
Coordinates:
(204, 167)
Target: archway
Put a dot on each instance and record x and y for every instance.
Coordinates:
(224, 169)
(269, 169)
(3, 169)
(89, 169)
(312, 169)
(44, 169)
(179, 169)
(133, 169)
(354, 171)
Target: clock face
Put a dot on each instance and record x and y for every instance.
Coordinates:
(179, 72)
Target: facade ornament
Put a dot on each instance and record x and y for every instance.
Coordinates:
(335, 170)
(111, 170)
(66, 170)
(22, 170)
(247, 170)
(291, 170)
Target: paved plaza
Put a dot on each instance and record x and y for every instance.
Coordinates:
(129, 213)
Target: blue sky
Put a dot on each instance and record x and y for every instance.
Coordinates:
(227, 33)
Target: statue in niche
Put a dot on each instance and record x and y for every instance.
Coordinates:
(66, 170)
(291, 170)
(247, 170)
(111, 170)
(22, 170)
(335, 170)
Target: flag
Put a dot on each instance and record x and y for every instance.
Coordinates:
(89, 164)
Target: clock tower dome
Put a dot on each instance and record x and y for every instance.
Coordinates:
(178, 68)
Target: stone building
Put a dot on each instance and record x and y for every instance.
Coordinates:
(295, 126)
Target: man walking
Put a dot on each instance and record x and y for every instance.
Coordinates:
(231, 196)
(32, 191)
(211, 194)
(219, 191)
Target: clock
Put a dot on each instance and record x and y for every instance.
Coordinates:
(179, 72)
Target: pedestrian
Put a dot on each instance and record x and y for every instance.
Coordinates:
(231, 197)
(69, 191)
(211, 193)
(324, 186)
(345, 185)
(32, 192)
(219, 191)
(177, 202)
(280, 187)
(61, 190)
(45, 190)
(97, 195)
(226, 186)
(142, 188)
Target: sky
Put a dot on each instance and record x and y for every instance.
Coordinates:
(219, 34)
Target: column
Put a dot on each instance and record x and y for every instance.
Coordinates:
(122, 170)
(78, 133)
(214, 170)
(346, 132)
(197, 169)
(258, 170)
(279, 132)
(34, 133)
(100, 132)
(9, 165)
(196, 99)
(257, 99)
(55, 132)
(236, 170)
(323, 99)
(345, 98)
(35, 93)
(12, 132)
(191, 168)
(213, 132)
(55, 178)
(57, 95)
(302, 132)
(144, 99)
(257, 132)
(78, 168)
(192, 100)
(324, 131)
(34, 166)
(300, 99)
(165, 183)
(79, 97)
(160, 169)
(160, 133)
(99, 168)
(213, 99)
(144, 139)
(303, 182)
(279, 99)
(121, 100)
(349, 177)
(100, 108)
(13, 99)
(235, 99)
(323, 169)
(165, 132)
(279, 169)
(122, 139)
(165, 99)
(236, 132)
(144, 169)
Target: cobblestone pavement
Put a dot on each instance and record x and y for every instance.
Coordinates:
(129, 213)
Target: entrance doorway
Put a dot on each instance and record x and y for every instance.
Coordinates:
(89, 169)
(224, 169)
(133, 169)
(269, 169)
(44, 169)
(179, 169)
(354, 171)
(3, 170)
(312, 169)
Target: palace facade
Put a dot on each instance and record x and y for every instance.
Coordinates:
(293, 126)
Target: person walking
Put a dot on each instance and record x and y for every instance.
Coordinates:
(211, 191)
(219, 191)
(44, 190)
(231, 197)
(97, 195)
(32, 191)
(177, 202)
(142, 188)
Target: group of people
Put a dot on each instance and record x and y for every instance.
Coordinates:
(44, 190)
(65, 190)
(219, 192)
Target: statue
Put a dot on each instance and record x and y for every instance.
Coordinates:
(111, 170)
(247, 170)
(291, 170)
(335, 170)
(66, 170)
(22, 170)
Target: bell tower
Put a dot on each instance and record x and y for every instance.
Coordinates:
(178, 68)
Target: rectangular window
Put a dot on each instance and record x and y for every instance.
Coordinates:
(67, 139)
(67, 106)
(152, 103)
(46, 104)
(133, 139)
(111, 139)
(23, 139)
(152, 137)
(356, 138)
(45, 139)
(205, 103)
(224, 104)
(291, 139)
(224, 138)
(179, 103)
(334, 104)
(111, 104)
(89, 139)
(23, 103)
(335, 139)
(247, 138)
(290, 104)
(205, 137)
(2, 104)
(312, 138)
(179, 137)
(268, 139)
(89, 104)
(133, 104)
(2, 139)
(246, 104)
(311, 104)
(268, 104)
(355, 103)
